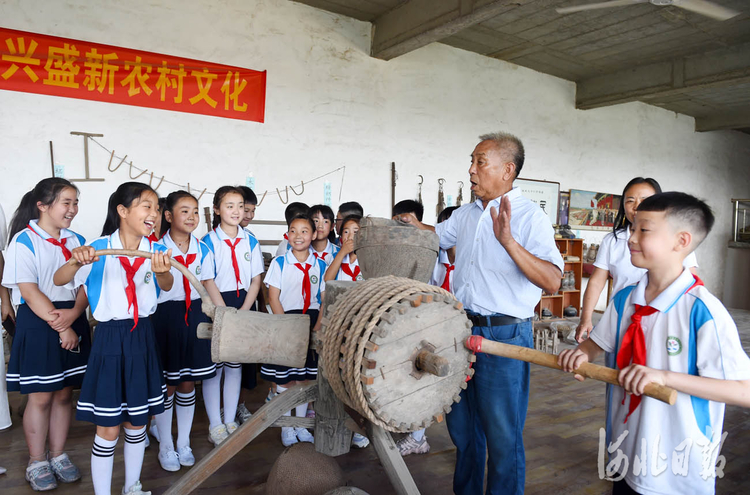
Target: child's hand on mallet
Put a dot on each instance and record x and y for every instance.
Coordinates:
(635, 377)
(160, 262)
(83, 255)
(571, 359)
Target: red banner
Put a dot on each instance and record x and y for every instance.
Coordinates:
(36, 63)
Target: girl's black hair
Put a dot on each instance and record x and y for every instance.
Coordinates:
(218, 196)
(351, 218)
(125, 195)
(307, 218)
(621, 221)
(327, 213)
(169, 203)
(46, 192)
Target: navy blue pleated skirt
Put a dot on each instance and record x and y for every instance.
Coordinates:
(124, 380)
(285, 374)
(37, 362)
(184, 356)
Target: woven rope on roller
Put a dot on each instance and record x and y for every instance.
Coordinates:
(349, 327)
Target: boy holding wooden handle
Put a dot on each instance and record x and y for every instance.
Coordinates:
(667, 329)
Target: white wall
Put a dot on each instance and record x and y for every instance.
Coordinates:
(330, 104)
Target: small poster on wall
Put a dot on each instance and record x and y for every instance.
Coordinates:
(544, 193)
(564, 206)
(592, 210)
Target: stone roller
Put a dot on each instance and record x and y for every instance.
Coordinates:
(243, 336)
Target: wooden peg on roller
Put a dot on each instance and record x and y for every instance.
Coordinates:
(475, 343)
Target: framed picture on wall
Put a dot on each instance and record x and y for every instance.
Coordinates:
(562, 216)
(592, 210)
(544, 193)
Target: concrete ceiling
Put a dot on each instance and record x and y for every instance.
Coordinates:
(664, 56)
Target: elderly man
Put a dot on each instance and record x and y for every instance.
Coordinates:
(505, 257)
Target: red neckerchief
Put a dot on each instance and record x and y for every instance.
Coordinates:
(130, 271)
(185, 283)
(321, 256)
(52, 240)
(153, 237)
(634, 345)
(346, 268)
(306, 288)
(447, 280)
(234, 262)
(286, 237)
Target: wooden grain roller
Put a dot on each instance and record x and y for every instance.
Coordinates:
(476, 343)
(243, 336)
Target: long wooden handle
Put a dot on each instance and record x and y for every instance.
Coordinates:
(207, 305)
(601, 373)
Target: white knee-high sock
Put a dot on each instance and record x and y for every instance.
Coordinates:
(418, 435)
(232, 387)
(301, 410)
(102, 461)
(212, 399)
(280, 389)
(135, 445)
(185, 410)
(164, 425)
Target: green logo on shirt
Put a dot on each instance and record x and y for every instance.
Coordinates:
(247, 256)
(147, 278)
(313, 279)
(198, 270)
(674, 345)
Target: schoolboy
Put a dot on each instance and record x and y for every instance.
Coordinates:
(408, 206)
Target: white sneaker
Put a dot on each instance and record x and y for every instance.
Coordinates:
(243, 414)
(408, 445)
(303, 435)
(169, 460)
(218, 434)
(231, 427)
(186, 456)
(271, 395)
(136, 489)
(148, 442)
(288, 436)
(360, 441)
(154, 431)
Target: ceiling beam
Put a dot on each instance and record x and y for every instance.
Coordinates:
(737, 119)
(417, 23)
(649, 82)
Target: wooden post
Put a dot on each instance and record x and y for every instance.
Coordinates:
(266, 416)
(86, 136)
(392, 462)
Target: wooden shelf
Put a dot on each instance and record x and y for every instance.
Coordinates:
(565, 297)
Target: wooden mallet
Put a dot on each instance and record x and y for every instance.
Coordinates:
(475, 343)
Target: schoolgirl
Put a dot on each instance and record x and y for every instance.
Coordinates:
(323, 246)
(345, 265)
(52, 340)
(238, 266)
(123, 384)
(184, 357)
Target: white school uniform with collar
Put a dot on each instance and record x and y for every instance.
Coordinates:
(202, 267)
(691, 333)
(486, 279)
(248, 254)
(614, 256)
(105, 280)
(441, 269)
(353, 269)
(30, 258)
(327, 254)
(285, 276)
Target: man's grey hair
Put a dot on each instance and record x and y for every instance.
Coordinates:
(510, 143)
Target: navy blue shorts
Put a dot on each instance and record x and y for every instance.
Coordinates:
(184, 357)
(285, 374)
(124, 380)
(37, 362)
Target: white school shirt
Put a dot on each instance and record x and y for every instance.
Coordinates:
(614, 256)
(202, 267)
(438, 274)
(286, 277)
(691, 333)
(486, 279)
(284, 245)
(105, 281)
(327, 254)
(249, 258)
(31, 259)
(341, 275)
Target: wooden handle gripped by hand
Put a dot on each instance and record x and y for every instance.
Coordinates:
(476, 343)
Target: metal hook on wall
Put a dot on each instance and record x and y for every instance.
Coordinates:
(130, 172)
(419, 193)
(299, 193)
(460, 197)
(286, 190)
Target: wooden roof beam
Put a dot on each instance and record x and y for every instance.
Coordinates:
(417, 23)
(722, 67)
(738, 119)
